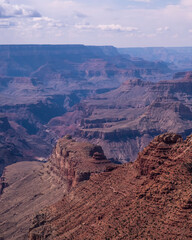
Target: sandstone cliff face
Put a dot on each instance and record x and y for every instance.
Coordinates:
(148, 199)
(74, 162)
(37, 185)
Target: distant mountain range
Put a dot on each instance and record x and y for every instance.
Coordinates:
(179, 58)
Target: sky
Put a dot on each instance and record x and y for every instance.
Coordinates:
(121, 23)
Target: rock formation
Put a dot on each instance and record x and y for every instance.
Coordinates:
(148, 199)
(125, 120)
(27, 187)
(74, 162)
(41, 82)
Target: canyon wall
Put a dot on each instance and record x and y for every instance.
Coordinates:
(125, 120)
(41, 82)
(147, 199)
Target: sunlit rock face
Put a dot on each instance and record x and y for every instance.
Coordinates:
(147, 199)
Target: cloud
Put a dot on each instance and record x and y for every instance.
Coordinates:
(111, 22)
(116, 27)
(8, 10)
(106, 27)
(163, 29)
(46, 22)
(6, 24)
(84, 26)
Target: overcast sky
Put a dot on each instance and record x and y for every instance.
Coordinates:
(121, 23)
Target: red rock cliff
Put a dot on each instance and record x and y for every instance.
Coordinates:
(148, 199)
(74, 162)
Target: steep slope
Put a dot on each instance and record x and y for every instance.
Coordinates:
(148, 199)
(124, 120)
(27, 187)
(9, 150)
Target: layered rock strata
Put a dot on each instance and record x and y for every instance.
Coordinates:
(148, 199)
(74, 162)
(40, 82)
(126, 119)
(28, 187)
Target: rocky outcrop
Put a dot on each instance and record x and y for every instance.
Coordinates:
(75, 161)
(148, 199)
(3, 184)
(37, 185)
(157, 153)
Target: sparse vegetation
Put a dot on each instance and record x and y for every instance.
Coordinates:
(188, 166)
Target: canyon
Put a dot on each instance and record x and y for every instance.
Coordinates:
(41, 82)
(95, 142)
(148, 199)
(81, 195)
(123, 121)
(43, 88)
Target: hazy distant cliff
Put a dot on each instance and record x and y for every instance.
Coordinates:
(124, 120)
(41, 82)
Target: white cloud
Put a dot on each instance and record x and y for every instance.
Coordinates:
(4, 23)
(8, 10)
(46, 22)
(116, 27)
(106, 27)
(84, 26)
(163, 29)
(90, 22)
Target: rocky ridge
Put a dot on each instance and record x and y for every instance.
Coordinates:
(148, 199)
(37, 185)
